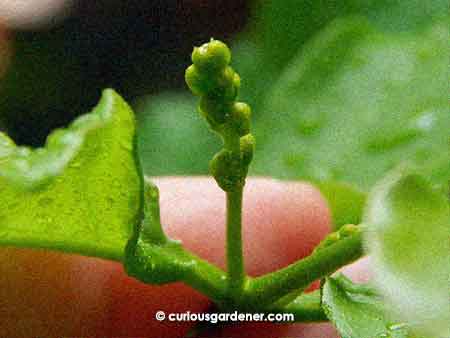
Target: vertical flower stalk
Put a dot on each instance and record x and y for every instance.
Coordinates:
(212, 79)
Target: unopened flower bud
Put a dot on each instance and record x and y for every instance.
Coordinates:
(236, 81)
(194, 80)
(211, 56)
(226, 170)
(224, 85)
(240, 116)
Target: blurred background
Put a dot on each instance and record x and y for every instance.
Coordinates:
(62, 53)
(367, 77)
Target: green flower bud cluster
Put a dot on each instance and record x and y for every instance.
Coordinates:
(344, 232)
(212, 79)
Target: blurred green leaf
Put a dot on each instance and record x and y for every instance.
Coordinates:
(408, 230)
(355, 103)
(357, 312)
(286, 25)
(81, 192)
(278, 30)
(173, 137)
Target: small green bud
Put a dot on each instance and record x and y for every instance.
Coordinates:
(214, 111)
(227, 170)
(345, 231)
(199, 83)
(230, 84)
(333, 238)
(211, 56)
(247, 145)
(194, 80)
(349, 230)
(223, 87)
(240, 116)
(237, 81)
(329, 240)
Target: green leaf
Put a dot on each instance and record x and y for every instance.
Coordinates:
(81, 192)
(345, 201)
(409, 224)
(173, 138)
(355, 103)
(306, 307)
(357, 311)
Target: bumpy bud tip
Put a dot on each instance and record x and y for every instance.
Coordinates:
(211, 56)
(247, 143)
(241, 114)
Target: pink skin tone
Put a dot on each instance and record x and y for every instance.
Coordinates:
(52, 294)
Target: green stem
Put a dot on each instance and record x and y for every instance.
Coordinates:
(231, 140)
(267, 289)
(206, 278)
(290, 297)
(305, 308)
(170, 262)
(235, 261)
